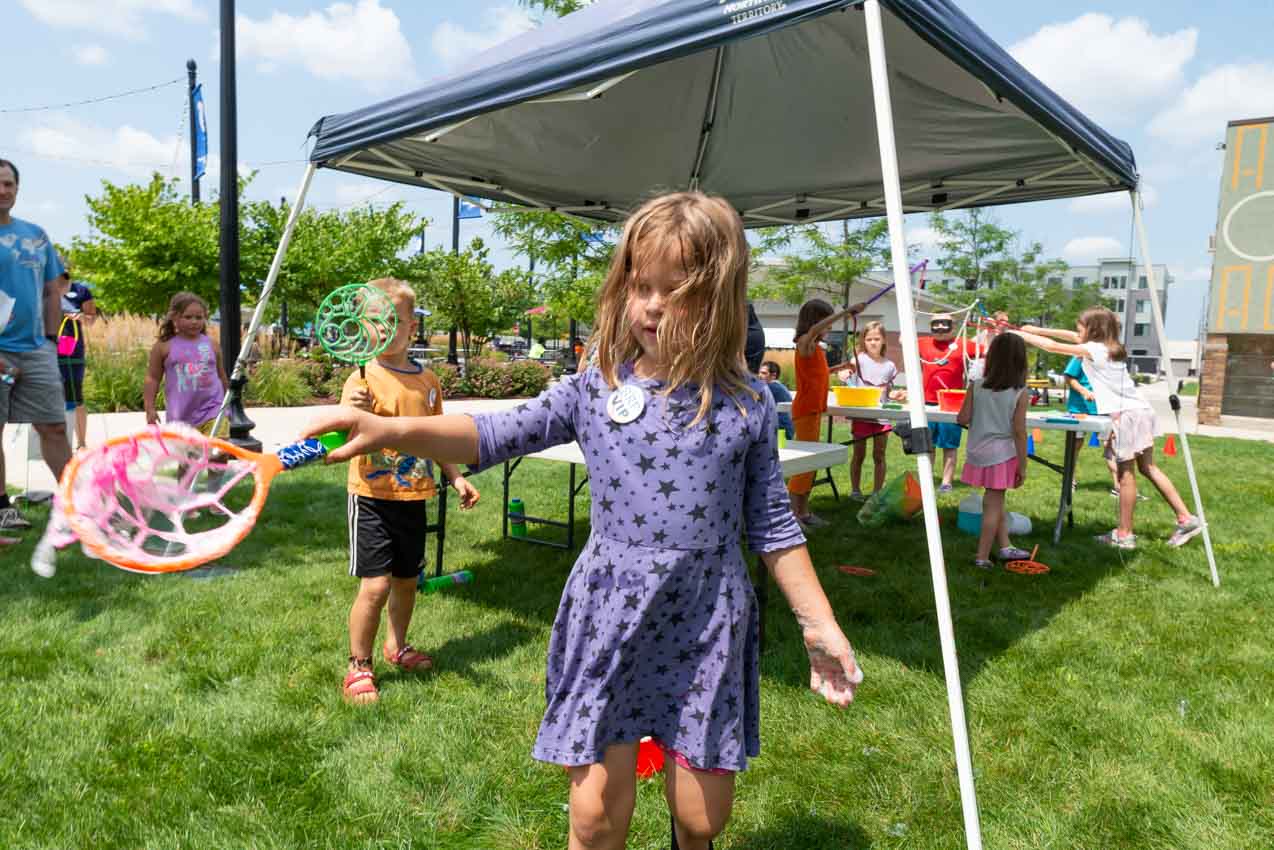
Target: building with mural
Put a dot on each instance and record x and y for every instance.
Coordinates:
(1238, 356)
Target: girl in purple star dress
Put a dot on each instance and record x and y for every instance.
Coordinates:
(656, 633)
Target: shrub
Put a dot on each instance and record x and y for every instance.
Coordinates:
(114, 380)
(527, 377)
(278, 383)
(486, 379)
(450, 379)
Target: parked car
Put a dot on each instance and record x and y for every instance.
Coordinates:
(511, 345)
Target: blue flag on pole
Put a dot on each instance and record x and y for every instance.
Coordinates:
(200, 120)
(470, 208)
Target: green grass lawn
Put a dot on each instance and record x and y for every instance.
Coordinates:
(1120, 701)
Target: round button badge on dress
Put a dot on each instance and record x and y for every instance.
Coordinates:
(626, 404)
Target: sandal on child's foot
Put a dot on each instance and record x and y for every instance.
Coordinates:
(983, 564)
(359, 687)
(410, 659)
(1012, 553)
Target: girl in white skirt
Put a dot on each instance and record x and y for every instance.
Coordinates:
(1132, 441)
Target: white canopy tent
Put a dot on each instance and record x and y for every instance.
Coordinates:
(767, 103)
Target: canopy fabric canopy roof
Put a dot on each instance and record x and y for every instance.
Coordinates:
(766, 103)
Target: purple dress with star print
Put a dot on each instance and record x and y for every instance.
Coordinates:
(656, 633)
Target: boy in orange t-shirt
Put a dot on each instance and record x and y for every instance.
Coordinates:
(387, 495)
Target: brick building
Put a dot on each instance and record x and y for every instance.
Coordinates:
(1238, 347)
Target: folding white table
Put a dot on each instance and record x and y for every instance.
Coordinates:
(1069, 425)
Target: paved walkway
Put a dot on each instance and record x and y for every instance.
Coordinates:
(276, 426)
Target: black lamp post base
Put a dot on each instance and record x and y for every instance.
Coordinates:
(240, 425)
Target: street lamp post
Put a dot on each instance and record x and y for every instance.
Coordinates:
(240, 425)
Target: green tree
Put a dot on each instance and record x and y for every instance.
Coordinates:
(556, 7)
(570, 255)
(974, 247)
(827, 267)
(463, 290)
(328, 249)
(149, 243)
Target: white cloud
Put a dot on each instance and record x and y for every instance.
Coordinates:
(453, 43)
(925, 240)
(89, 54)
(1227, 93)
(1087, 250)
(1105, 67)
(126, 149)
(114, 17)
(1112, 202)
(362, 41)
(1181, 272)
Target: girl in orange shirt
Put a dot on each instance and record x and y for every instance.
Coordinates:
(812, 382)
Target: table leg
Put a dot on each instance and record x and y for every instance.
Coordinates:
(570, 513)
(504, 509)
(441, 532)
(1068, 477)
(827, 479)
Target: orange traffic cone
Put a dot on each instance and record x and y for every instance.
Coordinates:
(1170, 446)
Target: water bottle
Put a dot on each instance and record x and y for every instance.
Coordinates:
(433, 585)
(517, 518)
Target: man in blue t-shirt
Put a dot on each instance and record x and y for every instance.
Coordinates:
(30, 289)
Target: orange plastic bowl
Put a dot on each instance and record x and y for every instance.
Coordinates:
(857, 396)
(950, 400)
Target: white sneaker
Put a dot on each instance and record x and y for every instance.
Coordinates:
(1117, 541)
(11, 517)
(1185, 532)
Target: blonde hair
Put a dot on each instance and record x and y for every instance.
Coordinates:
(704, 325)
(399, 291)
(873, 325)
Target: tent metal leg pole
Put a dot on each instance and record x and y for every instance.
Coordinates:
(245, 351)
(915, 405)
(1165, 357)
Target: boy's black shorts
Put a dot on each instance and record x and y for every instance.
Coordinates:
(386, 537)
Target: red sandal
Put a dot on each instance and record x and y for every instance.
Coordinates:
(359, 687)
(410, 659)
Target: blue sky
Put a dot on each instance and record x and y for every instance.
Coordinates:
(1165, 76)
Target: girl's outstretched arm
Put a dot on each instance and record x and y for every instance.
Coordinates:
(1053, 333)
(806, 342)
(834, 672)
(447, 439)
(1051, 345)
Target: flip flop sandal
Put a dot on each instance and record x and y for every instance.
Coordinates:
(359, 687)
(410, 659)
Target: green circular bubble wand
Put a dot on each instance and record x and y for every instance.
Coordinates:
(355, 324)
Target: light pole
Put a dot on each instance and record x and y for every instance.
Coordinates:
(453, 357)
(240, 425)
(191, 82)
